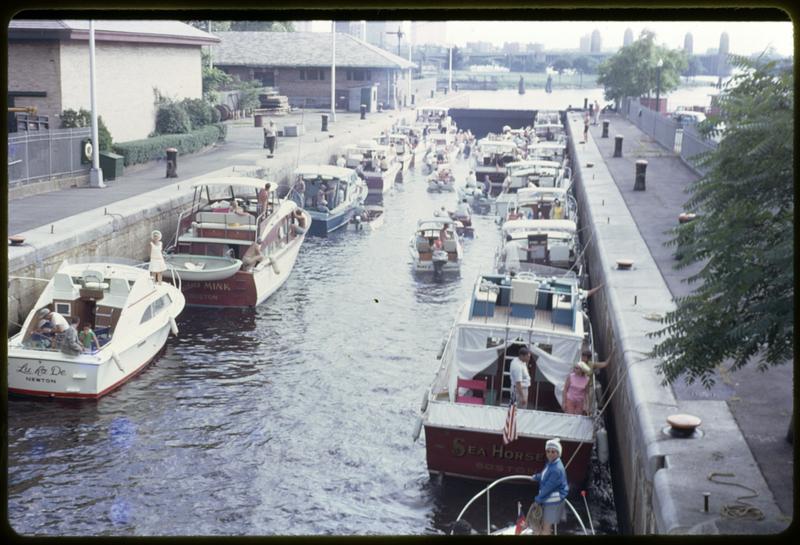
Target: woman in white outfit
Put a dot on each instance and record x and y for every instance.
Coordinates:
(157, 263)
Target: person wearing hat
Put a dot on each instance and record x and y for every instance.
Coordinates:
(49, 324)
(157, 263)
(558, 210)
(553, 487)
(576, 387)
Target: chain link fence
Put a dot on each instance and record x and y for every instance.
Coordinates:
(39, 155)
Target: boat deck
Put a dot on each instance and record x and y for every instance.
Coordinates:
(542, 320)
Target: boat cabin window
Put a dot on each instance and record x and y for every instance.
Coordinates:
(65, 309)
(148, 313)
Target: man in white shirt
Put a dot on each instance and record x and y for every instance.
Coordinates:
(520, 377)
(341, 161)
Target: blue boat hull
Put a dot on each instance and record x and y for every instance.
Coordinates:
(322, 223)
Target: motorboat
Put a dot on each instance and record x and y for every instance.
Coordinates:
(442, 180)
(343, 190)
(131, 315)
(434, 118)
(403, 151)
(525, 174)
(463, 220)
(429, 252)
(368, 218)
(491, 157)
(555, 151)
(378, 168)
(542, 246)
(464, 411)
(228, 251)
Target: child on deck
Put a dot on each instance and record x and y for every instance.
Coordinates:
(87, 337)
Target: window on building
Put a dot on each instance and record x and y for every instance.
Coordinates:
(312, 74)
(359, 75)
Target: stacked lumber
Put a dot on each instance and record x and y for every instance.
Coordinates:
(273, 104)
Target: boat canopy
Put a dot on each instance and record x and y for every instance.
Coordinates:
(240, 181)
(496, 146)
(533, 194)
(329, 171)
(532, 164)
(532, 226)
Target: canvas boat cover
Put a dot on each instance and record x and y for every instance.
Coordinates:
(488, 418)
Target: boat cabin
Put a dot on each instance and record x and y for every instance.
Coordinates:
(496, 153)
(339, 186)
(428, 238)
(527, 243)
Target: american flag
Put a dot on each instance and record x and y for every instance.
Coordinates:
(510, 429)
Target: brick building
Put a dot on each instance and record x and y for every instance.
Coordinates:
(298, 64)
(48, 67)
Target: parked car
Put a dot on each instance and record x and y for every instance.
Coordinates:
(686, 117)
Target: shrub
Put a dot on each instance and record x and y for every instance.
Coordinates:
(70, 119)
(201, 113)
(142, 151)
(171, 118)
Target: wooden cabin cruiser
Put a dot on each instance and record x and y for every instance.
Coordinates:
(344, 192)
(555, 151)
(529, 174)
(378, 168)
(429, 253)
(442, 180)
(541, 246)
(229, 252)
(465, 409)
(131, 316)
(491, 158)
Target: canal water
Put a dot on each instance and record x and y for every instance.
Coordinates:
(294, 418)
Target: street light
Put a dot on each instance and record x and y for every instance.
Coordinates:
(659, 64)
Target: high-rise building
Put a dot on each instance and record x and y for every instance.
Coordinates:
(628, 38)
(688, 43)
(597, 42)
(586, 43)
(723, 68)
(356, 29)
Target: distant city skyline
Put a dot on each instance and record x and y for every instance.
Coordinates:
(744, 37)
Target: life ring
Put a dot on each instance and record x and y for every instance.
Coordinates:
(417, 429)
(173, 326)
(424, 405)
(87, 151)
(115, 359)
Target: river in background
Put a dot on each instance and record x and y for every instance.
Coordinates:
(294, 418)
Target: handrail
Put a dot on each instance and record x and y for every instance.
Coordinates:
(501, 480)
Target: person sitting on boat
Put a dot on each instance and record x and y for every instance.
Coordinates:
(375, 163)
(322, 200)
(521, 377)
(253, 256)
(157, 263)
(558, 210)
(298, 222)
(51, 324)
(341, 161)
(444, 233)
(70, 343)
(471, 180)
(88, 338)
(553, 487)
(237, 208)
(384, 164)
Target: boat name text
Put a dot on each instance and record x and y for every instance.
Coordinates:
(497, 451)
(41, 370)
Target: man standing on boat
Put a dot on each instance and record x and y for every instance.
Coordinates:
(521, 377)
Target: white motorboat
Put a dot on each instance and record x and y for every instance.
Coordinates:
(465, 409)
(131, 314)
(229, 251)
(541, 246)
(341, 187)
(442, 180)
(492, 155)
(370, 218)
(429, 253)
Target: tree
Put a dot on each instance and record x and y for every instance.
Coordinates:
(632, 71)
(744, 305)
(561, 64)
(584, 65)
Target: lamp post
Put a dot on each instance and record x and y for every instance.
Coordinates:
(659, 64)
(333, 71)
(95, 173)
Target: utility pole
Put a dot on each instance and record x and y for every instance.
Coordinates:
(400, 35)
(95, 174)
(333, 71)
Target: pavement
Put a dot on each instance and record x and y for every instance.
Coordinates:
(243, 146)
(761, 402)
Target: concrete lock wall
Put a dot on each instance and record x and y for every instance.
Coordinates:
(617, 313)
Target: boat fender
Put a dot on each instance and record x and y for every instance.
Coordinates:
(424, 405)
(115, 359)
(602, 445)
(173, 326)
(274, 263)
(417, 429)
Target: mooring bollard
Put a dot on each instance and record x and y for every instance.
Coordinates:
(432, 91)
(618, 145)
(172, 162)
(324, 122)
(605, 128)
(641, 171)
(585, 103)
(413, 97)
(363, 111)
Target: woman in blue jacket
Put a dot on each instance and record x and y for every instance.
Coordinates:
(553, 487)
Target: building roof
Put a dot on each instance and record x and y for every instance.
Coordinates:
(140, 31)
(299, 49)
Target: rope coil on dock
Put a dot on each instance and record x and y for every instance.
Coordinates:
(743, 510)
